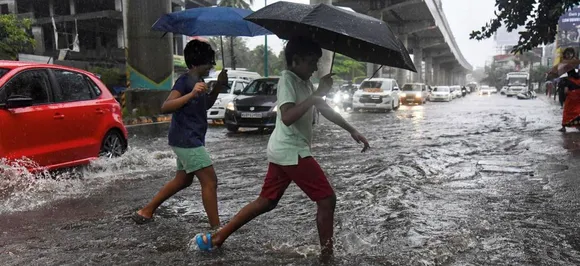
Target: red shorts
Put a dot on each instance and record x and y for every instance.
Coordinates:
(307, 175)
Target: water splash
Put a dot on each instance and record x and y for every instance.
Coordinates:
(22, 190)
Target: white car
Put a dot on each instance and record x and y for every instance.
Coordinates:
(456, 91)
(493, 89)
(503, 90)
(227, 95)
(377, 94)
(485, 90)
(441, 93)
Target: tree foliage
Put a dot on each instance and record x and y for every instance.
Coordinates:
(14, 36)
(238, 4)
(540, 18)
(348, 68)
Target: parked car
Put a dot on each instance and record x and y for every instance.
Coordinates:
(456, 91)
(57, 116)
(503, 90)
(235, 86)
(377, 94)
(255, 106)
(441, 93)
(414, 93)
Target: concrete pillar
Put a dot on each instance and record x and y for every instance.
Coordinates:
(401, 73)
(72, 6)
(51, 7)
(38, 34)
(324, 65)
(120, 37)
(119, 5)
(418, 61)
(436, 74)
(179, 41)
(149, 57)
(429, 70)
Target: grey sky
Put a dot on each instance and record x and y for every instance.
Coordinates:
(463, 17)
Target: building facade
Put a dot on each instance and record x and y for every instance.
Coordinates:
(89, 30)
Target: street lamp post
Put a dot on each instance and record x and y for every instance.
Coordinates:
(265, 50)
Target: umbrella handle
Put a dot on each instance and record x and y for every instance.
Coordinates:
(376, 71)
(332, 62)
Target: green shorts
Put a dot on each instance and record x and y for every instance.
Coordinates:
(191, 159)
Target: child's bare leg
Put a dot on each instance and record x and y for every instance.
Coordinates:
(208, 180)
(181, 181)
(249, 212)
(325, 224)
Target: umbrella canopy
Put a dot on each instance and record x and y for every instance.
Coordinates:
(210, 21)
(562, 68)
(355, 35)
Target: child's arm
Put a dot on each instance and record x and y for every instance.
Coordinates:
(291, 111)
(221, 81)
(337, 119)
(175, 100)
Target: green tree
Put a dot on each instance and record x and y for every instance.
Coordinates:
(257, 61)
(495, 75)
(239, 48)
(14, 36)
(540, 19)
(238, 4)
(348, 68)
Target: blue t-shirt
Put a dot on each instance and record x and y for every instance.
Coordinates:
(189, 123)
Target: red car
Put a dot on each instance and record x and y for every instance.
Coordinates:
(57, 116)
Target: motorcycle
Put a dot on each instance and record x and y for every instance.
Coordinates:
(526, 95)
(463, 91)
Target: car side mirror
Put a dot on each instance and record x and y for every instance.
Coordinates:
(17, 102)
(396, 89)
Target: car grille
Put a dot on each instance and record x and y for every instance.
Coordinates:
(256, 108)
(410, 96)
(369, 99)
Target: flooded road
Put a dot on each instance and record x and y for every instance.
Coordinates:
(477, 181)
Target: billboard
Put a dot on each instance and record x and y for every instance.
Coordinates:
(568, 33)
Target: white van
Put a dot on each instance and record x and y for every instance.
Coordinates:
(237, 74)
(377, 94)
(218, 110)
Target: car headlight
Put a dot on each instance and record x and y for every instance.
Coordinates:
(336, 98)
(417, 95)
(345, 96)
(275, 108)
(231, 106)
(403, 95)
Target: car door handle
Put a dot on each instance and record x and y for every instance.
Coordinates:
(58, 116)
(100, 111)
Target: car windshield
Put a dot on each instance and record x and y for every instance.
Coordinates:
(372, 86)
(3, 71)
(262, 87)
(211, 84)
(411, 87)
(517, 81)
(441, 89)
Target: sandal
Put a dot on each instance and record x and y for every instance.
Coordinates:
(203, 245)
(138, 219)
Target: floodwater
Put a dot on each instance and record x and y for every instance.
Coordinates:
(477, 181)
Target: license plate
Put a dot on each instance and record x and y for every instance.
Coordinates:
(251, 115)
(370, 104)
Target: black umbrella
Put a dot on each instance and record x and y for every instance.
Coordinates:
(352, 34)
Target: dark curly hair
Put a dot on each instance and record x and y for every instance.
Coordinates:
(301, 46)
(567, 50)
(198, 53)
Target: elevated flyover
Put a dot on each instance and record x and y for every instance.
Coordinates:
(421, 25)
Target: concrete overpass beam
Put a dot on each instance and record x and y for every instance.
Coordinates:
(439, 52)
(436, 73)
(415, 26)
(430, 42)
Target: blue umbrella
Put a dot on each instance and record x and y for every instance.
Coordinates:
(210, 21)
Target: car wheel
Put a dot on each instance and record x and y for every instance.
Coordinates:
(113, 145)
(232, 128)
